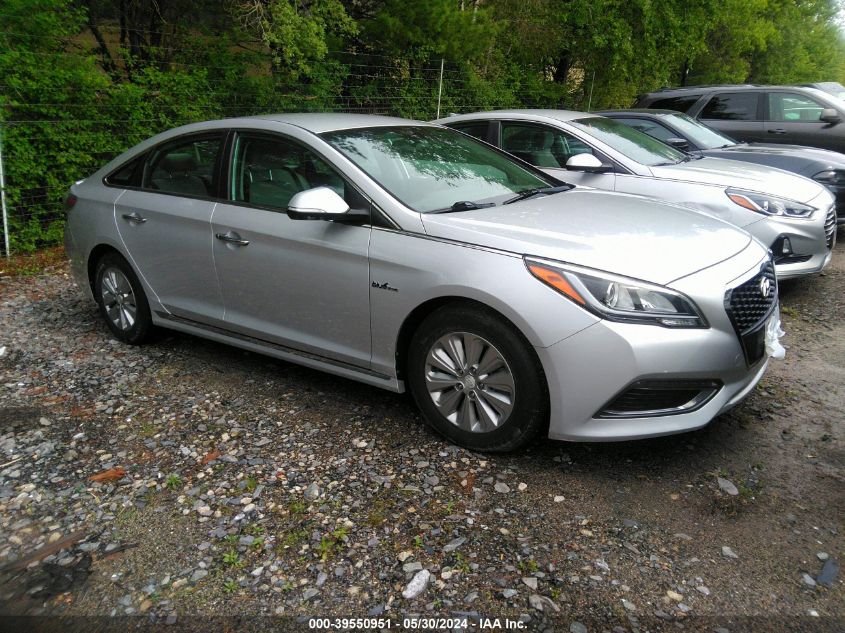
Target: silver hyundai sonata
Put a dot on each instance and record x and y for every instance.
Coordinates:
(792, 215)
(409, 256)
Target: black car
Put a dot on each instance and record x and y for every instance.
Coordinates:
(760, 114)
(683, 132)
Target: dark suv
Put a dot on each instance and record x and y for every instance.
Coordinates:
(761, 114)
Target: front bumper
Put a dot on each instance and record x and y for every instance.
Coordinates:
(812, 240)
(615, 355)
(589, 369)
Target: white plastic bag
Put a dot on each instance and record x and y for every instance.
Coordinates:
(773, 335)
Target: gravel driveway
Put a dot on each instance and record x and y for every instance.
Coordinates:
(236, 485)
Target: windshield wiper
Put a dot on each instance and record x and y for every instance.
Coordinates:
(543, 191)
(464, 205)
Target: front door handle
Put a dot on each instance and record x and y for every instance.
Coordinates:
(232, 238)
(777, 131)
(134, 217)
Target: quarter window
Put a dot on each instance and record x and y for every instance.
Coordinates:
(732, 106)
(185, 168)
(129, 175)
(791, 107)
(540, 145)
(268, 172)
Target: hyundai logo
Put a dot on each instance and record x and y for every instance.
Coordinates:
(765, 287)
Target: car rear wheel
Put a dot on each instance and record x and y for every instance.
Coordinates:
(122, 301)
(476, 380)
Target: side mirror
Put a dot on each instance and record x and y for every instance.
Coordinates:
(588, 163)
(830, 115)
(320, 203)
(679, 143)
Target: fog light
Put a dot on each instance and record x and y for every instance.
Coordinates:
(786, 247)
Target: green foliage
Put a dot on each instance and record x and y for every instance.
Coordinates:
(52, 93)
(232, 558)
(330, 543)
(78, 88)
(803, 44)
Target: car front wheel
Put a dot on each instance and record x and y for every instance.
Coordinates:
(476, 380)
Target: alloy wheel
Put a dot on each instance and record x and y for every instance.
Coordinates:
(118, 298)
(469, 382)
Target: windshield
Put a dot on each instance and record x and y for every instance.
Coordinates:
(703, 136)
(629, 142)
(431, 169)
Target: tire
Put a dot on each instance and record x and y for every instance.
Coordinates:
(507, 381)
(122, 301)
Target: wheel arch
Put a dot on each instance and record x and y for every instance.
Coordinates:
(540, 402)
(95, 256)
(421, 312)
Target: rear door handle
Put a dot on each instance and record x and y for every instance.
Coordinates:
(134, 217)
(777, 131)
(232, 238)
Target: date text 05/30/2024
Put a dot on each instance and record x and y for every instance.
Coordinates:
(446, 624)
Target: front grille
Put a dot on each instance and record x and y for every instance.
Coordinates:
(830, 226)
(746, 306)
(650, 398)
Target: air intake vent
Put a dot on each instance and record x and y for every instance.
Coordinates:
(650, 398)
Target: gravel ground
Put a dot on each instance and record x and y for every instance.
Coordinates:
(239, 486)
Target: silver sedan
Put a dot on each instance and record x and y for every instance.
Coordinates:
(792, 215)
(412, 257)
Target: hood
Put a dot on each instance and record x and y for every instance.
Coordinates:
(807, 161)
(627, 235)
(742, 175)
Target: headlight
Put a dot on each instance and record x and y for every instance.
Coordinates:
(831, 177)
(618, 298)
(769, 205)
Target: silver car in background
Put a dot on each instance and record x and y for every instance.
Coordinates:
(410, 256)
(794, 216)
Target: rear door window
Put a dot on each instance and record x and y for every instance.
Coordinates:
(478, 129)
(185, 167)
(732, 106)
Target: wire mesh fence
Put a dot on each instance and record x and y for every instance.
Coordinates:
(50, 140)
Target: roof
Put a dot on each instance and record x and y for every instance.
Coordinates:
(560, 115)
(643, 111)
(715, 87)
(328, 122)
(705, 87)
